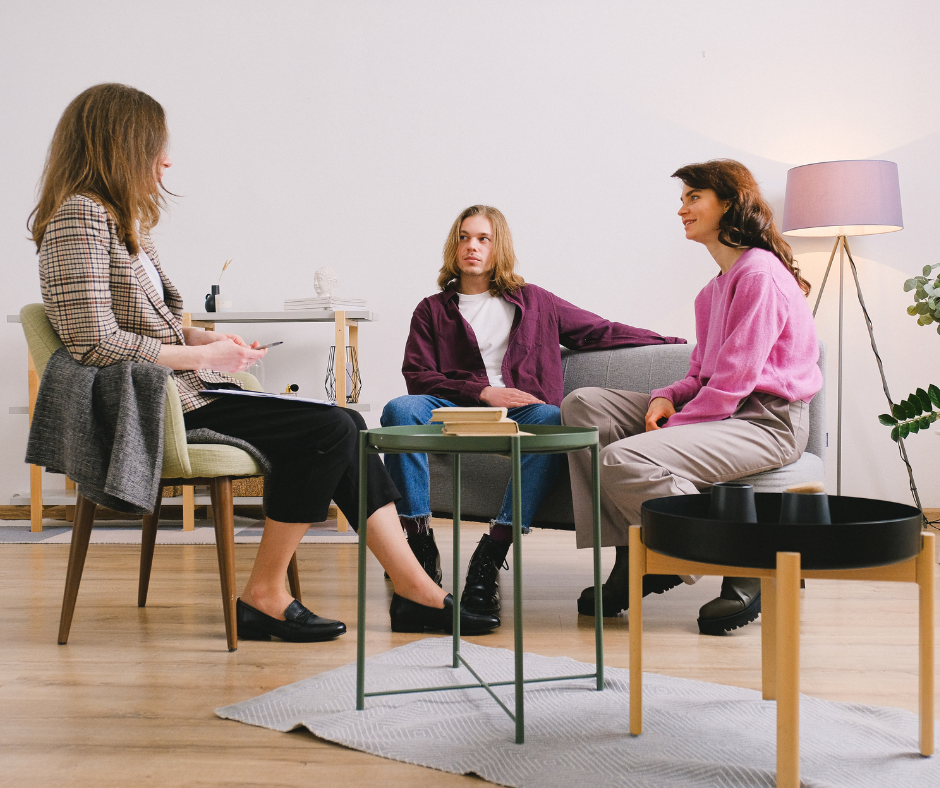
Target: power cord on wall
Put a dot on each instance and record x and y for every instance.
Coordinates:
(935, 524)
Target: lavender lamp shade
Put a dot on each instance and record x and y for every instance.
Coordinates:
(843, 198)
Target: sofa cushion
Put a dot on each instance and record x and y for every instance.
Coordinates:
(484, 477)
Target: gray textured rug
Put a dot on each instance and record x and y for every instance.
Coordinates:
(695, 733)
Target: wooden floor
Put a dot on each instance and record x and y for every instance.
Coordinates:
(129, 701)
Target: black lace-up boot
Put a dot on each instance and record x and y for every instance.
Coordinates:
(425, 549)
(481, 592)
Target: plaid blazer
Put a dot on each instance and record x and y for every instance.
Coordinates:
(103, 304)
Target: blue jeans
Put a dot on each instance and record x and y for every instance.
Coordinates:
(413, 479)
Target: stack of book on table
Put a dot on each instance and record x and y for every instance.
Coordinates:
(333, 303)
(476, 421)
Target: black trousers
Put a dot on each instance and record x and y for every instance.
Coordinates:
(313, 451)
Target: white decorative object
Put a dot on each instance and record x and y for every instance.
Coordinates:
(324, 281)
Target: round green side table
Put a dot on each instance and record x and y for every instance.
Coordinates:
(429, 439)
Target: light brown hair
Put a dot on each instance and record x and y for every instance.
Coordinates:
(503, 277)
(105, 147)
(749, 222)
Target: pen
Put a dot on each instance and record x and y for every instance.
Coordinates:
(270, 344)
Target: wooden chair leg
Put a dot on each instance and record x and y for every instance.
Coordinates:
(224, 516)
(293, 578)
(768, 637)
(788, 670)
(148, 539)
(637, 570)
(81, 534)
(189, 507)
(926, 567)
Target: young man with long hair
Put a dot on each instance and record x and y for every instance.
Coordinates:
(488, 339)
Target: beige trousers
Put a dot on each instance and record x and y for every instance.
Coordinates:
(765, 432)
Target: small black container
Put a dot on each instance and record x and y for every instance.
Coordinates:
(210, 299)
(808, 508)
(734, 502)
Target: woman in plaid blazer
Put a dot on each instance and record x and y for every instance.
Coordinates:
(110, 301)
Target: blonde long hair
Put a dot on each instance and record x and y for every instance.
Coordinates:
(503, 278)
(106, 146)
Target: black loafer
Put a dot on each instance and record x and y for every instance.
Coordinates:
(301, 625)
(408, 616)
(738, 605)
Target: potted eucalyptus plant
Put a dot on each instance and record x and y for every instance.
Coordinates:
(916, 412)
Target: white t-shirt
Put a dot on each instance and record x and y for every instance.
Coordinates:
(152, 272)
(491, 318)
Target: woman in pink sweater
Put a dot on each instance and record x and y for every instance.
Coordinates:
(743, 408)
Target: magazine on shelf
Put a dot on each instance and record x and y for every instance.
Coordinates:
(324, 302)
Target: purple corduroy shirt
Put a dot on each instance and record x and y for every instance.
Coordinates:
(442, 357)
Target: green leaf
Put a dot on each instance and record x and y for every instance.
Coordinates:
(920, 294)
(926, 270)
(909, 412)
(932, 416)
(925, 320)
(922, 308)
(914, 402)
(925, 422)
(914, 427)
(924, 398)
(920, 279)
(898, 412)
(905, 430)
(909, 285)
(912, 310)
(887, 420)
(895, 433)
(934, 393)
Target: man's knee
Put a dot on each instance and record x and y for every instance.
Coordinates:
(409, 409)
(546, 414)
(576, 408)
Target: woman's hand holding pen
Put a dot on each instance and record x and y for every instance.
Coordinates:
(226, 355)
(660, 408)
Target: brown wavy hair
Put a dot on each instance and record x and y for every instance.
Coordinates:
(106, 147)
(749, 222)
(503, 278)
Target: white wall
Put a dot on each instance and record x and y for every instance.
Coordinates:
(352, 133)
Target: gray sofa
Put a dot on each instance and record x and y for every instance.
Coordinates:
(632, 369)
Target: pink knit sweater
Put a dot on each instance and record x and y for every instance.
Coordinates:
(755, 332)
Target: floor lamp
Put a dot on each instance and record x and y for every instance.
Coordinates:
(843, 198)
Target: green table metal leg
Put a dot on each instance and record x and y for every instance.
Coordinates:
(361, 626)
(456, 625)
(598, 599)
(517, 583)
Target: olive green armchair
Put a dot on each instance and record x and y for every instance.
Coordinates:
(214, 465)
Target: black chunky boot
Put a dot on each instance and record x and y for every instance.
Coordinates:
(481, 592)
(425, 549)
(616, 591)
(738, 605)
